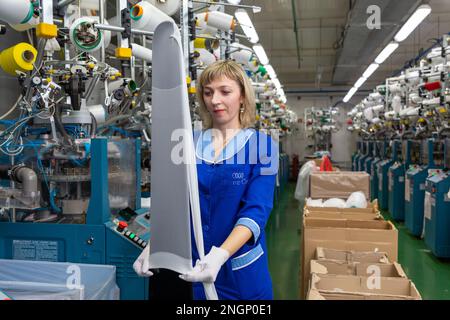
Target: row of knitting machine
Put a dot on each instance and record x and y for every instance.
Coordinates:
(404, 145)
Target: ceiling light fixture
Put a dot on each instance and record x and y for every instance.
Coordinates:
(261, 54)
(271, 72)
(370, 70)
(350, 94)
(390, 48)
(360, 82)
(247, 25)
(416, 18)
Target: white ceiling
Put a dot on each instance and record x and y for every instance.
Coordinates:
(323, 65)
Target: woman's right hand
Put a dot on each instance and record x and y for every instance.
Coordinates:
(141, 265)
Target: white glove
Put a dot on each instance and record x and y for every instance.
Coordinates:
(206, 270)
(142, 263)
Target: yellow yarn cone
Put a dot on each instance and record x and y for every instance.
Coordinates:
(19, 57)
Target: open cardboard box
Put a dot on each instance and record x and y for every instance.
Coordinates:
(344, 287)
(343, 234)
(307, 212)
(372, 207)
(370, 213)
(341, 184)
(351, 256)
(391, 270)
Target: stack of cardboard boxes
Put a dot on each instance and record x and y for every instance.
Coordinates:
(349, 253)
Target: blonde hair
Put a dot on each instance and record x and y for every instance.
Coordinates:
(232, 71)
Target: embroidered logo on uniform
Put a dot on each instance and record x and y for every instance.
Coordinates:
(237, 175)
(238, 178)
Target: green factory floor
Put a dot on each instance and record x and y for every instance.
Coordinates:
(430, 274)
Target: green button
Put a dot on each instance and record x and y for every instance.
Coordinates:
(132, 236)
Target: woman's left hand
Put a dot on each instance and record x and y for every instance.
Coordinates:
(206, 269)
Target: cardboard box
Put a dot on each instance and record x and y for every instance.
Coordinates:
(342, 234)
(372, 207)
(371, 213)
(366, 269)
(351, 256)
(343, 287)
(350, 216)
(340, 184)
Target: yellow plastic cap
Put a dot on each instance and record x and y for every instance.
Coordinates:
(123, 53)
(46, 30)
(192, 90)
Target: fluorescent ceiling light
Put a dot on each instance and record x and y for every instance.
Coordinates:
(277, 84)
(271, 72)
(247, 26)
(370, 70)
(390, 48)
(261, 54)
(350, 94)
(417, 17)
(360, 82)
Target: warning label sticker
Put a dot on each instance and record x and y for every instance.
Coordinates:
(35, 250)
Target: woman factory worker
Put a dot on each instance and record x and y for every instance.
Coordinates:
(236, 167)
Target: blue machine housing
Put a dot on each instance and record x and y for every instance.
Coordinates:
(415, 189)
(382, 171)
(437, 209)
(371, 157)
(437, 217)
(357, 155)
(367, 153)
(95, 242)
(380, 151)
(396, 186)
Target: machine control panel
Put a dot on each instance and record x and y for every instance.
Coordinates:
(435, 179)
(133, 225)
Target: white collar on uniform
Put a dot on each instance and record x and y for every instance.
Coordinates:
(204, 149)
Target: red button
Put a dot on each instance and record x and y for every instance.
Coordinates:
(123, 224)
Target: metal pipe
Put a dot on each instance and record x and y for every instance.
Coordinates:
(255, 9)
(64, 3)
(121, 42)
(120, 29)
(13, 185)
(47, 11)
(101, 15)
(294, 18)
(29, 180)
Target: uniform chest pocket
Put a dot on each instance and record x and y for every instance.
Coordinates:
(234, 178)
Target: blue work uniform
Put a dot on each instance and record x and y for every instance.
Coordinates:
(237, 188)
